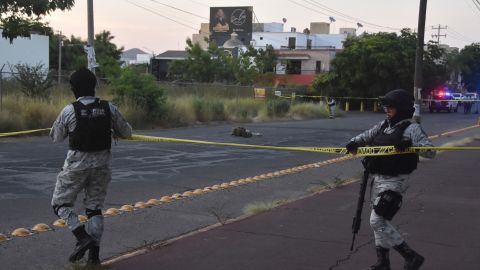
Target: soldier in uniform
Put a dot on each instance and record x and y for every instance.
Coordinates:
(89, 123)
(390, 174)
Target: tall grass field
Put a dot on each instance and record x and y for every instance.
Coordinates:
(21, 113)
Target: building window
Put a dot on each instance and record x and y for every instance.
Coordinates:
(261, 38)
(294, 67)
(291, 43)
(309, 44)
(318, 67)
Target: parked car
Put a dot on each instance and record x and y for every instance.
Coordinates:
(459, 97)
(471, 96)
(442, 101)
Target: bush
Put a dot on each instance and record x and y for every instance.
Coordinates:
(278, 107)
(302, 111)
(34, 80)
(243, 110)
(141, 91)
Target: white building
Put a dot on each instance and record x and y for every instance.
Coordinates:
(135, 56)
(27, 51)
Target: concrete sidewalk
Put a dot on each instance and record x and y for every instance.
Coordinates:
(440, 219)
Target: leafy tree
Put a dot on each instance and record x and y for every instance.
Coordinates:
(373, 64)
(18, 18)
(74, 56)
(216, 65)
(140, 90)
(107, 54)
(34, 80)
(469, 63)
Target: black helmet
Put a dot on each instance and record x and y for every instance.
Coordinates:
(399, 99)
(83, 83)
(402, 101)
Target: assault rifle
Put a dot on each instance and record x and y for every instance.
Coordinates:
(357, 219)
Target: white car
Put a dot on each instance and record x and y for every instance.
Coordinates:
(457, 96)
(471, 96)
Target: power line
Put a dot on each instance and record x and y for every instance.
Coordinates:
(158, 14)
(460, 34)
(179, 9)
(476, 3)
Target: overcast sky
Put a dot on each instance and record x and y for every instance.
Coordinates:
(160, 25)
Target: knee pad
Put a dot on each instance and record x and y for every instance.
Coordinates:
(387, 204)
(90, 213)
(57, 207)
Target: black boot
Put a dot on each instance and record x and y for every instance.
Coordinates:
(84, 242)
(94, 256)
(413, 260)
(383, 260)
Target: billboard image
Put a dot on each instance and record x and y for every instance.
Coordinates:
(226, 20)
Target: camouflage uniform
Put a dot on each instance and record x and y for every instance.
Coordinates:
(88, 171)
(385, 233)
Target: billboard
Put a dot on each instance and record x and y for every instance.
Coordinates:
(226, 20)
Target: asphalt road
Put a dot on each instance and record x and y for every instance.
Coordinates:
(150, 170)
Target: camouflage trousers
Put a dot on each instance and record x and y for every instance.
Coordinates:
(386, 235)
(93, 182)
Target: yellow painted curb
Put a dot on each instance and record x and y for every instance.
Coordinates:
(176, 196)
(59, 223)
(3, 238)
(224, 185)
(242, 182)
(112, 212)
(198, 191)
(165, 199)
(215, 187)
(126, 208)
(41, 227)
(187, 194)
(21, 232)
(140, 205)
(82, 218)
(153, 202)
(207, 189)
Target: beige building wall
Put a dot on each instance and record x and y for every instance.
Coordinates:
(325, 56)
(319, 28)
(202, 34)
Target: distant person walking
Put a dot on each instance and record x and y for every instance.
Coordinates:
(88, 122)
(331, 107)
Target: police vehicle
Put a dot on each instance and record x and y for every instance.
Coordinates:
(442, 100)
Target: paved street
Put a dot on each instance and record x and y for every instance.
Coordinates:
(151, 170)
(438, 220)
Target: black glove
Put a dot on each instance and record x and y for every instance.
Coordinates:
(403, 144)
(352, 147)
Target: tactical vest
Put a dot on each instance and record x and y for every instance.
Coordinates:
(93, 130)
(394, 164)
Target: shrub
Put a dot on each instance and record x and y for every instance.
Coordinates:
(34, 81)
(141, 91)
(277, 107)
(243, 110)
(308, 110)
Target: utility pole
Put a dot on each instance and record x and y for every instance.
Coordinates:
(418, 81)
(90, 47)
(439, 28)
(1, 85)
(60, 41)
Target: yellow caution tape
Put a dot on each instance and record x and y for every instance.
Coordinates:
(8, 134)
(362, 151)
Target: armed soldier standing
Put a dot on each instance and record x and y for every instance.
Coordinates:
(88, 122)
(390, 174)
